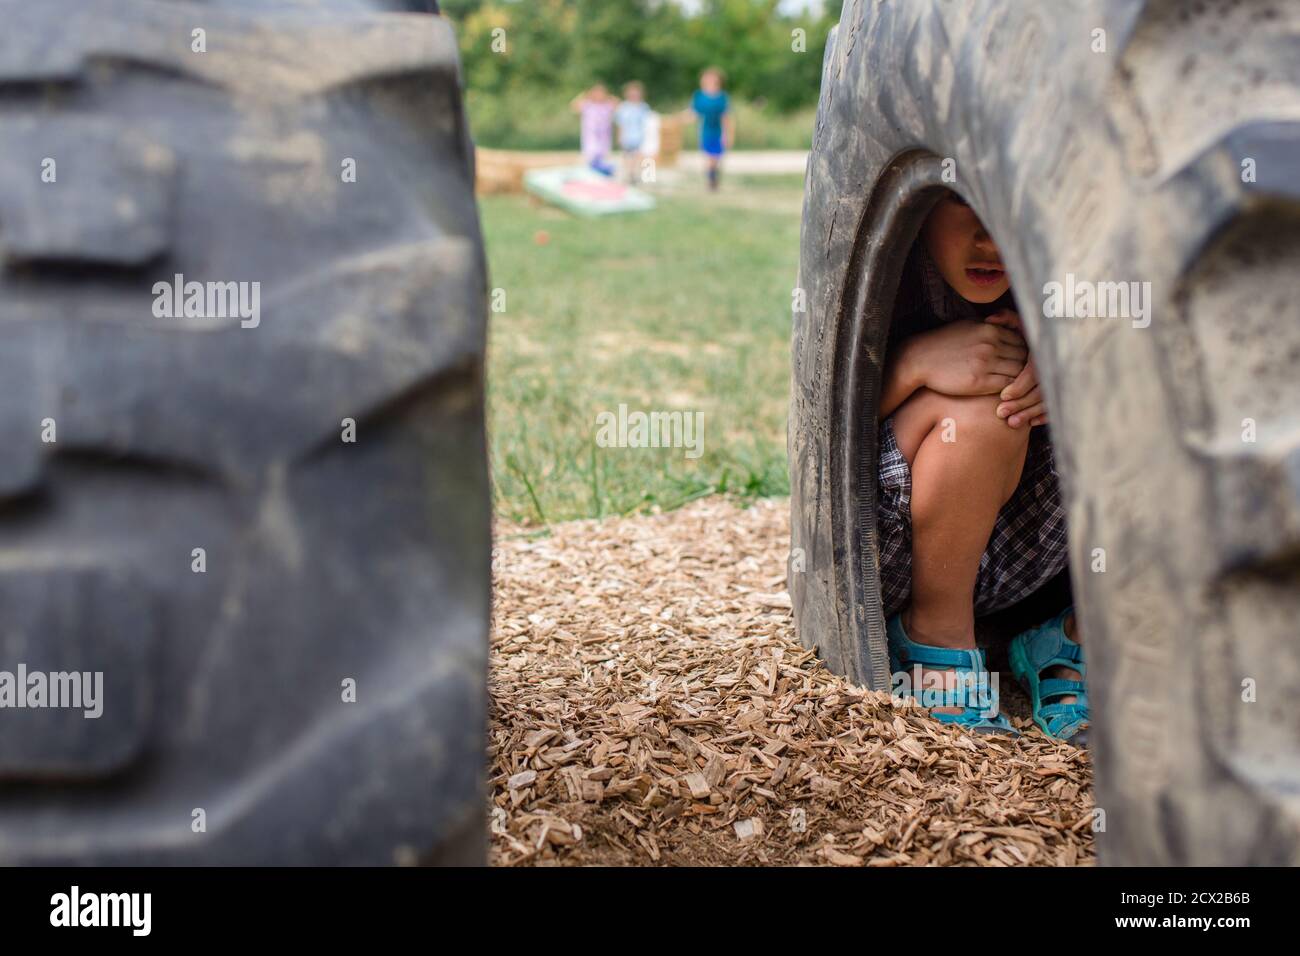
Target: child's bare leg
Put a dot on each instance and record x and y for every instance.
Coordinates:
(711, 164)
(958, 488)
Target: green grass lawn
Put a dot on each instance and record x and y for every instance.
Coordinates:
(685, 308)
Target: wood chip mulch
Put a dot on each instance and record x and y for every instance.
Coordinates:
(651, 706)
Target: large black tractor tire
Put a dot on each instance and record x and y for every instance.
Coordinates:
(1116, 141)
(268, 531)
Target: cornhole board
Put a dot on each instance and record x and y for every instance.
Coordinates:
(585, 192)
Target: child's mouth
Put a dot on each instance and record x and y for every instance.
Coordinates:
(985, 275)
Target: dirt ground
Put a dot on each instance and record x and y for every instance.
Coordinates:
(651, 706)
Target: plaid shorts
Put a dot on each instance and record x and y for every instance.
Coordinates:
(1026, 550)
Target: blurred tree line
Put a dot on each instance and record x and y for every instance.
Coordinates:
(556, 48)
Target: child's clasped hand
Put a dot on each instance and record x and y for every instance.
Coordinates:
(1022, 400)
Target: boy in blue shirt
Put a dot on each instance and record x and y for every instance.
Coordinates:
(717, 127)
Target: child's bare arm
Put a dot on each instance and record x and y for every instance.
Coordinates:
(901, 380)
(960, 358)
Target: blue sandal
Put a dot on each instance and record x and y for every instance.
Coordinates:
(1032, 653)
(974, 692)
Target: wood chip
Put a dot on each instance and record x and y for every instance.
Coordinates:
(841, 859)
(524, 778)
(749, 829)
(698, 785)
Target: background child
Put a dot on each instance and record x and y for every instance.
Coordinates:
(717, 127)
(970, 518)
(596, 108)
(632, 116)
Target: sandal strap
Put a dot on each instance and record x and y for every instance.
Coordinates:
(1048, 646)
(1057, 687)
(928, 655)
(972, 693)
(1070, 651)
(1064, 719)
(1074, 709)
(971, 720)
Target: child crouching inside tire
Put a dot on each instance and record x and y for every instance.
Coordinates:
(969, 513)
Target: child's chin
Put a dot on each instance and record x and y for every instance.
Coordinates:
(983, 294)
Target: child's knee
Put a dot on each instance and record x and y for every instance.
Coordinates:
(974, 418)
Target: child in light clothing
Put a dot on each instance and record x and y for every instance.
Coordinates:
(632, 118)
(596, 108)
